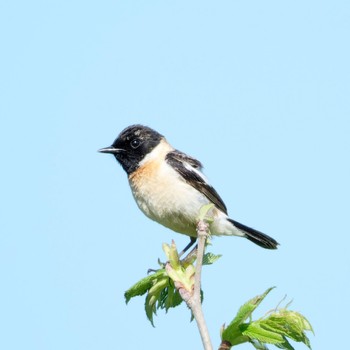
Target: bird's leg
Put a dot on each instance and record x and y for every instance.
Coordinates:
(189, 245)
(190, 257)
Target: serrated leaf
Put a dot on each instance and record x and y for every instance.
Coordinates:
(210, 258)
(170, 298)
(233, 333)
(274, 329)
(285, 345)
(142, 286)
(245, 311)
(282, 326)
(167, 297)
(255, 331)
(158, 286)
(155, 296)
(299, 319)
(150, 307)
(290, 324)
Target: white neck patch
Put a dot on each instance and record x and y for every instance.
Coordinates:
(158, 153)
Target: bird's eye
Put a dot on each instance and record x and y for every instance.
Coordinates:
(135, 143)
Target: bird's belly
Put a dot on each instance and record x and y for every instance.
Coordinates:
(169, 200)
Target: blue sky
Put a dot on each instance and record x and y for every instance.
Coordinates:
(258, 91)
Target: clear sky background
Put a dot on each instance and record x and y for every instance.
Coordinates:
(257, 90)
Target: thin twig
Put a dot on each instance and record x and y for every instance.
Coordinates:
(225, 345)
(194, 302)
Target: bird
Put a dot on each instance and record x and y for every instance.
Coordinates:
(170, 188)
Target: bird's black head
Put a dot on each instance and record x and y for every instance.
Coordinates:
(132, 145)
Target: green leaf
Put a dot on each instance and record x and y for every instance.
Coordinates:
(285, 345)
(181, 276)
(172, 255)
(160, 286)
(244, 312)
(150, 307)
(203, 212)
(210, 258)
(142, 286)
(169, 297)
(290, 324)
(254, 330)
(275, 328)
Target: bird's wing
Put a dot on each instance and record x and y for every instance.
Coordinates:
(190, 170)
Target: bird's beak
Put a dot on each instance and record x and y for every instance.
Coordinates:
(111, 150)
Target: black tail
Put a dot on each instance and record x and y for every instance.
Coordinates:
(255, 236)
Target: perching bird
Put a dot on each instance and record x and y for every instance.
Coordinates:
(170, 188)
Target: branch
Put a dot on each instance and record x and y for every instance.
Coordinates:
(195, 302)
(187, 279)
